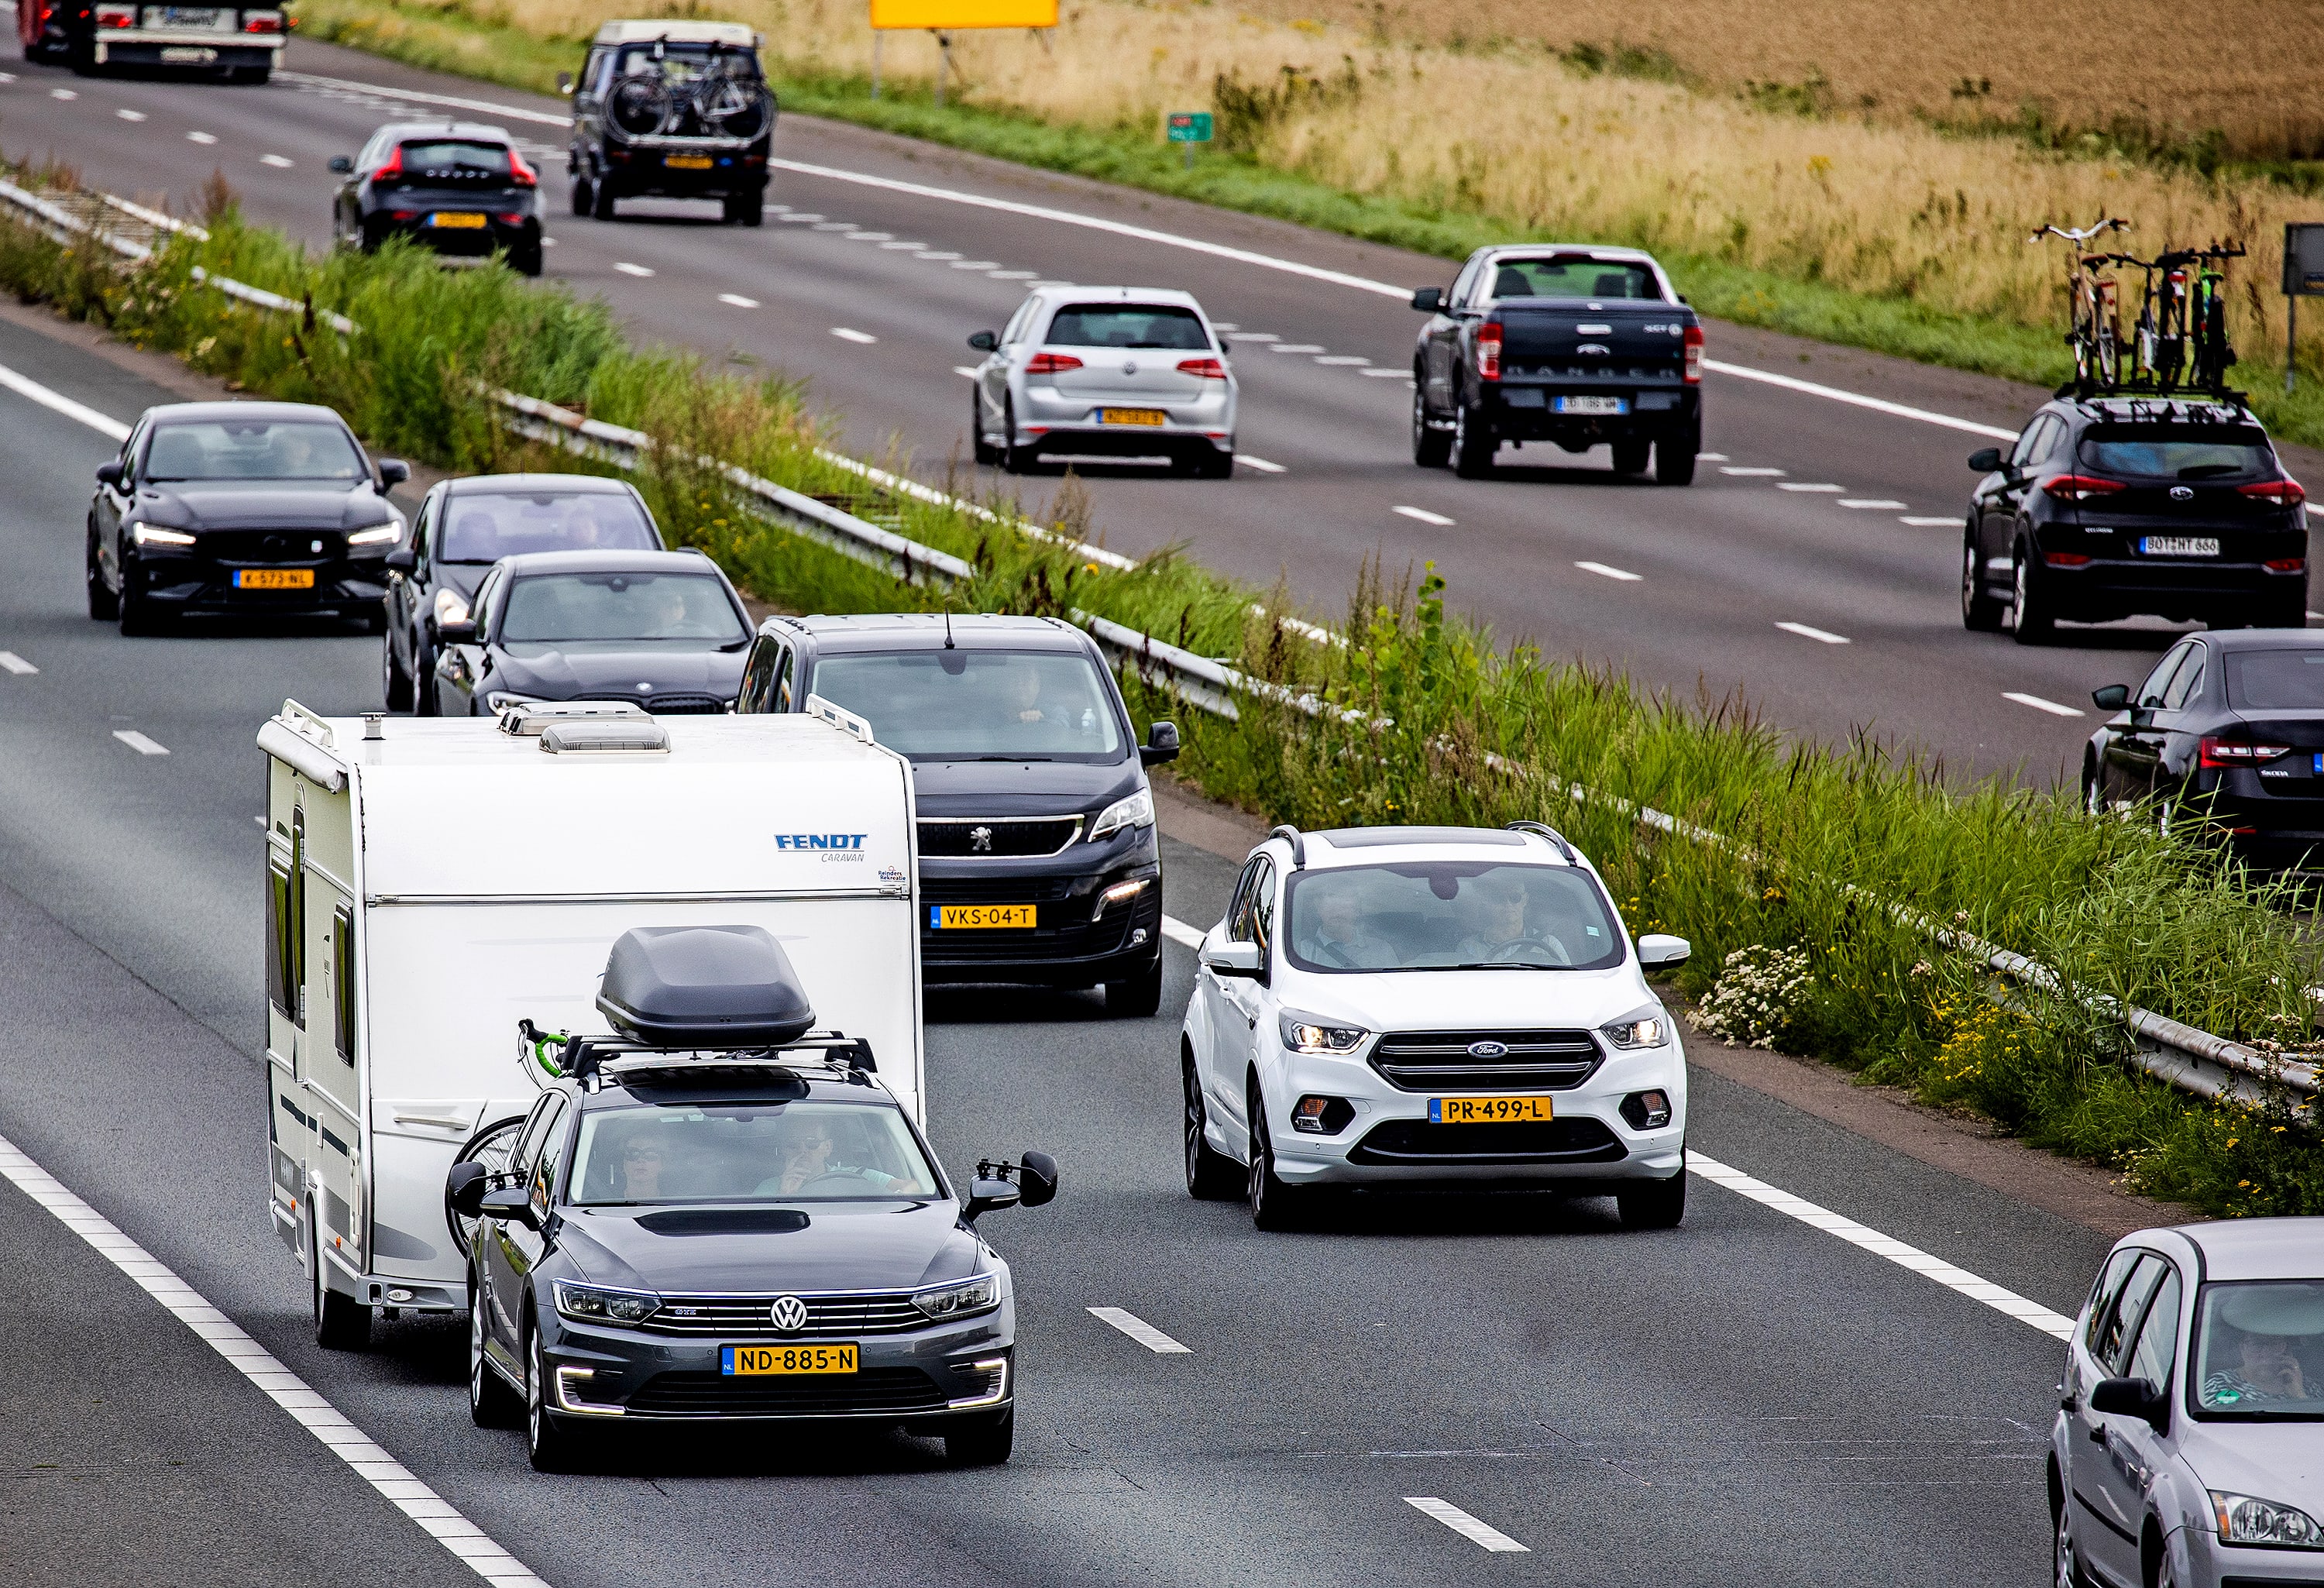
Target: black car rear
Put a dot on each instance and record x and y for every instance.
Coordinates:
(464, 190)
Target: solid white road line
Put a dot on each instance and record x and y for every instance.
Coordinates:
(1140, 1330)
(1602, 569)
(1821, 490)
(279, 162)
(1807, 632)
(140, 742)
(1928, 523)
(1180, 932)
(128, 114)
(202, 137)
(12, 662)
(1858, 400)
(1260, 464)
(627, 269)
(286, 1388)
(738, 301)
(2038, 704)
(1870, 503)
(1467, 1526)
(1424, 515)
(104, 424)
(849, 334)
(1744, 473)
(2008, 1302)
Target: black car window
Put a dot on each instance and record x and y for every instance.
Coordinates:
(593, 71)
(253, 449)
(1457, 294)
(455, 154)
(526, 1150)
(2158, 1336)
(687, 610)
(2157, 452)
(809, 1151)
(2186, 681)
(980, 704)
(1262, 909)
(757, 693)
(486, 594)
(2103, 1294)
(1238, 917)
(2276, 680)
(1572, 275)
(2032, 442)
(2113, 1342)
(1166, 326)
(2158, 682)
(487, 526)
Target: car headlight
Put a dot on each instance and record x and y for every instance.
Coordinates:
(497, 701)
(377, 535)
(1641, 1027)
(2246, 1520)
(591, 1304)
(451, 606)
(1136, 810)
(1312, 1033)
(146, 534)
(981, 1294)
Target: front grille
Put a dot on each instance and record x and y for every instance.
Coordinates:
(268, 548)
(683, 704)
(1418, 1143)
(1439, 1061)
(874, 1389)
(745, 1317)
(971, 837)
(995, 889)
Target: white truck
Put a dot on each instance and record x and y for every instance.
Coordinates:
(432, 883)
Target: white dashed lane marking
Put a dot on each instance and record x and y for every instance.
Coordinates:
(1297, 348)
(1260, 464)
(1424, 515)
(1387, 374)
(1928, 523)
(1257, 336)
(128, 114)
(936, 253)
(976, 264)
(1807, 632)
(140, 742)
(1346, 361)
(905, 247)
(1012, 275)
(871, 236)
(1822, 490)
(1742, 472)
(849, 334)
(1467, 1526)
(1140, 1330)
(2038, 704)
(1180, 932)
(1870, 503)
(1711, 457)
(62, 94)
(737, 301)
(204, 138)
(12, 662)
(627, 269)
(1603, 571)
(279, 162)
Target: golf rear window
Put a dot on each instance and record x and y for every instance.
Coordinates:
(1129, 325)
(2276, 680)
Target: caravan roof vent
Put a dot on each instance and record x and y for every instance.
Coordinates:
(581, 738)
(526, 721)
(702, 987)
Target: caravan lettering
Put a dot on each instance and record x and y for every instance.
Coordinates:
(819, 840)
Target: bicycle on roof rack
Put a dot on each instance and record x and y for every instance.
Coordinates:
(2096, 332)
(2179, 343)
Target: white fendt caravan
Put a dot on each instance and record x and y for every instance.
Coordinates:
(430, 882)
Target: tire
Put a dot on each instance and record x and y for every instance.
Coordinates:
(984, 1442)
(526, 261)
(984, 451)
(132, 609)
(1014, 459)
(551, 1442)
(2035, 622)
(1630, 457)
(1658, 1205)
(341, 1322)
(1674, 459)
(1430, 449)
(1210, 1175)
(103, 605)
(2066, 1558)
(583, 196)
(744, 209)
(1136, 997)
(1274, 1205)
(1215, 464)
(601, 200)
(1980, 608)
(2093, 799)
(423, 684)
(395, 683)
(1472, 455)
(491, 1404)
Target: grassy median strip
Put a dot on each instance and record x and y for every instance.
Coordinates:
(1827, 850)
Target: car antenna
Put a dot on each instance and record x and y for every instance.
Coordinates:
(947, 617)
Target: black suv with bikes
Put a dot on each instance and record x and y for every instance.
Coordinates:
(671, 109)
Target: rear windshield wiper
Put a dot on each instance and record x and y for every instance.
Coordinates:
(2210, 471)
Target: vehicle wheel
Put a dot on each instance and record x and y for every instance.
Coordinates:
(395, 683)
(579, 194)
(1472, 454)
(1210, 1175)
(1014, 459)
(2034, 622)
(526, 261)
(103, 605)
(1980, 608)
(984, 1441)
(1674, 459)
(2069, 1572)
(1630, 457)
(1658, 1205)
(1430, 449)
(491, 1404)
(1274, 1205)
(132, 608)
(341, 1322)
(601, 200)
(553, 1443)
(984, 451)
(1215, 464)
(1136, 997)
(2093, 801)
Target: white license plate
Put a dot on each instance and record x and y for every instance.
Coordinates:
(188, 54)
(1614, 405)
(2178, 546)
(208, 18)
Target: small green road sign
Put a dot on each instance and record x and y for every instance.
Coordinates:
(1190, 126)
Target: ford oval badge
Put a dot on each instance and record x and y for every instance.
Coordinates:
(1488, 1050)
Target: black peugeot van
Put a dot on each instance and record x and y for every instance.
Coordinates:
(1038, 862)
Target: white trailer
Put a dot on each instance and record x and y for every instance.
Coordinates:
(430, 882)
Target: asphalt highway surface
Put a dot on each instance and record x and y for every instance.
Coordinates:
(1814, 563)
(1449, 1390)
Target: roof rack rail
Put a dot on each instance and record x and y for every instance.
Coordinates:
(1550, 833)
(564, 1055)
(1298, 844)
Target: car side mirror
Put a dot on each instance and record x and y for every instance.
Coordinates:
(510, 1202)
(2132, 1398)
(457, 632)
(1428, 299)
(1161, 743)
(109, 474)
(404, 559)
(1659, 950)
(1231, 959)
(984, 1195)
(565, 82)
(2113, 698)
(1037, 1179)
(342, 164)
(392, 470)
(464, 1187)
(1985, 459)
(985, 341)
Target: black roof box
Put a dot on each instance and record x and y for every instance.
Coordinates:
(702, 987)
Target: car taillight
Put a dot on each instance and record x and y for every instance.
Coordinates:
(1488, 351)
(2225, 752)
(394, 169)
(262, 21)
(2080, 488)
(116, 16)
(1203, 369)
(2285, 492)
(1050, 364)
(510, 218)
(1695, 355)
(521, 174)
(2287, 565)
(2064, 558)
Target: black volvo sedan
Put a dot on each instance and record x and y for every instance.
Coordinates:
(1039, 862)
(247, 508)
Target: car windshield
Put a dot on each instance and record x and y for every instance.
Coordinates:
(455, 154)
(1447, 915)
(479, 528)
(2276, 680)
(2157, 454)
(253, 449)
(1129, 325)
(688, 611)
(804, 1151)
(1568, 276)
(2259, 1349)
(979, 705)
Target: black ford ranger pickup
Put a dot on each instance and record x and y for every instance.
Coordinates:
(1552, 342)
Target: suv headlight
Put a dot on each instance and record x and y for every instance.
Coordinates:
(1312, 1033)
(2246, 1520)
(981, 1294)
(497, 701)
(451, 606)
(591, 1304)
(1641, 1027)
(1134, 810)
(146, 534)
(377, 535)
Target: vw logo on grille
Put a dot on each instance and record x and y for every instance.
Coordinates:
(979, 839)
(2182, 493)
(789, 1313)
(1488, 1050)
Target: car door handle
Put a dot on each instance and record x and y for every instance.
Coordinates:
(2096, 1432)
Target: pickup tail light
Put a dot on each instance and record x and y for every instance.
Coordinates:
(2228, 753)
(1202, 369)
(262, 21)
(2283, 493)
(2080, 488)
(1695, 355)
(521, 174)
(1050, 364)
(116, 16)
(1488, 351)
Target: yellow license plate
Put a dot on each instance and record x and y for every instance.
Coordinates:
(686, 161)
(1487, 1111)
(750, 1360)
(943, 917)
(274, 578)
(448, 220)
(1132, 416)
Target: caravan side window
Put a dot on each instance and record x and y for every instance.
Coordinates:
(343, 981)
(286, 926)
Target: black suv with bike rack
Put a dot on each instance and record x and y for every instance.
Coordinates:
(671, 109)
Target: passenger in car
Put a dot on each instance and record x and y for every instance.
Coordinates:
(1344, 938)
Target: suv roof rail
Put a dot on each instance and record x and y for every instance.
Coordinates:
(1544, 829)
(1298, 844)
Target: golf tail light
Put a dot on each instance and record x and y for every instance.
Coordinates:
(2080, 488)
(1050, 364)
(521, 174)
(981, 1294)
(2227, 752)
(591, 1304)
(1203, 369)
(1488, 351)
(1695, 355)
(2278, 493)
(2246, 1520)
(1314, 1115)
(1647, 1110)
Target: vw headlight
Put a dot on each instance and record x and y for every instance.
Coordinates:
(1134, 810)
(2246, 1520)
(377, 535)
(451, 606)
(1312, 1033)
(1641, 1027)
(591, 1304)
(146, 534)
(981, 1294)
